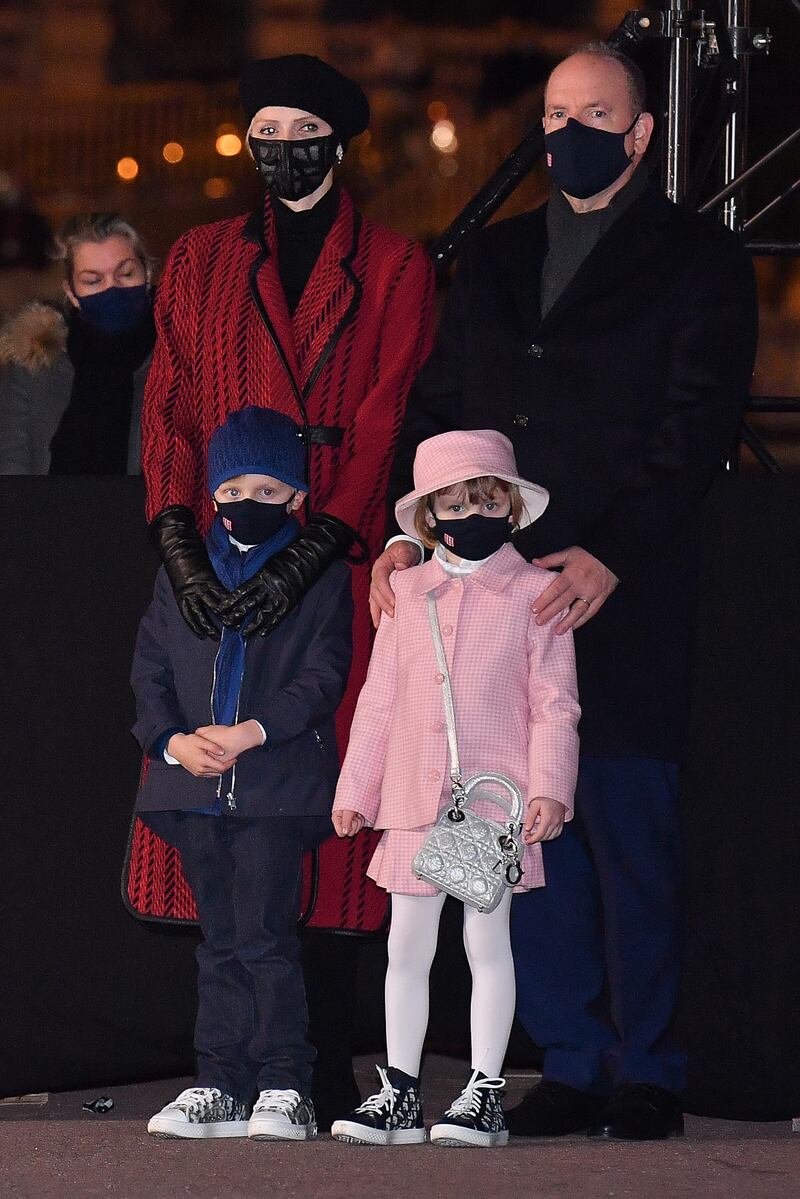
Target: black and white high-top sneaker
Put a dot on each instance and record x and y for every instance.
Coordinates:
(282, 1116)
(476, 1117)
(200, 1112)
(392, 1116)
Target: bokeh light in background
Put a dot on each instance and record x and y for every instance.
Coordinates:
(173, 152)
(218, 187)
(443, 137)
(228, 143)
(127, 169)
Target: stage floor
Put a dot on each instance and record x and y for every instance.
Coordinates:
(58, 1151)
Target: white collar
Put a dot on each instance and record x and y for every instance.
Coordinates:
(464, 567)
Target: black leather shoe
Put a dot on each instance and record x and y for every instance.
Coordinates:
(639, 1111)
(552, 1109)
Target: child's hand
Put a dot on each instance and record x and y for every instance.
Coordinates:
(544, 820)
(234, 739)
(201, 756)
(346, 823)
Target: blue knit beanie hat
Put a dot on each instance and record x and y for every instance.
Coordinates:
(257, 441)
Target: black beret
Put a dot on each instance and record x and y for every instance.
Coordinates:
(303, 81)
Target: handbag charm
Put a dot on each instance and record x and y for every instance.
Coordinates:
(470, 857)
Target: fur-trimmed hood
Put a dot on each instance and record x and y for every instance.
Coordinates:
(35, 337)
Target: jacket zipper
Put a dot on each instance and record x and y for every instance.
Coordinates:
(231, 796)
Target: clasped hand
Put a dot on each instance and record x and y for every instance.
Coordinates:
(213, 748)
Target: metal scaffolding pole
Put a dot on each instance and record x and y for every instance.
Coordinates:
(737, 15)
(679, 100)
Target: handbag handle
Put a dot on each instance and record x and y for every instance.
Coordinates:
(513, 807)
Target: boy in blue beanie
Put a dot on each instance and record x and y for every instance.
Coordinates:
(242, 769)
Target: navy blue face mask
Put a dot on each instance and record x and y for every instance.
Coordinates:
(473, 537)
(250, 522)
(583, 160)
(117, 309)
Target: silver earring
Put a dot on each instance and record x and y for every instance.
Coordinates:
(339, 153)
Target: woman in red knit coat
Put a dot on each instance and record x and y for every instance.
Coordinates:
(305, 307)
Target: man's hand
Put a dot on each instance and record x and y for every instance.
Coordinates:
(544, 820)
(583, 586)
(233, 739)
(399, 556)
(201, 756)
(347, 823)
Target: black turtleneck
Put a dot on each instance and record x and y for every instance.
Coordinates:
(92, 437)
(301, 236)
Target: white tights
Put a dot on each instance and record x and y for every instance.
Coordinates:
(413, 935)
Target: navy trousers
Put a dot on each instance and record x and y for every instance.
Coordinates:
(252, 1019)
(598, 948)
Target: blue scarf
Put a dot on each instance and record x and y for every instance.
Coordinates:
(233, 568)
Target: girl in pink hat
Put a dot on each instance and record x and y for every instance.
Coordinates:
(515, 701)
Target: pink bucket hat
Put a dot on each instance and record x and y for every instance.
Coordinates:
(467, 454)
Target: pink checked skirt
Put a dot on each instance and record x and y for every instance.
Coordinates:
(390, 866)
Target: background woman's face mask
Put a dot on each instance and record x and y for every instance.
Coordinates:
(584, 160)
(116, 309)
(294, 169)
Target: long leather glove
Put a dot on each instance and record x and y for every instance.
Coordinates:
(186, 561)
(284, 578)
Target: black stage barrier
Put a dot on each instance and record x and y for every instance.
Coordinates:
(90, 996)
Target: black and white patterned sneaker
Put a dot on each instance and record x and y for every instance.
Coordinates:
(476, 1117)
(392, 1116)
(200, 1112)
(282, 1116)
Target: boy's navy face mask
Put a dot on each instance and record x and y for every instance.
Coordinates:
(473, 537)
(117, 309)
(583, 160)
(250, 522)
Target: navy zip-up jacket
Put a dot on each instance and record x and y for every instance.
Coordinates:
(293, 682)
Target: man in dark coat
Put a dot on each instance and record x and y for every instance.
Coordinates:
(611, 336)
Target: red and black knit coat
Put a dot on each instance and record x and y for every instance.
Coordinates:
(342, 364)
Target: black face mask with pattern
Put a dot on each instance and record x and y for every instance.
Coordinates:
(294, 169)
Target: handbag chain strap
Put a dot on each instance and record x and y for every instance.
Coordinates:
(508, 842)
(459, 794)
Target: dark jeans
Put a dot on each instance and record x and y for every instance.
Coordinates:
(252, 1019)
(598, 948)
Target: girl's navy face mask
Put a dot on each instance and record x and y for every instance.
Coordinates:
(583, 160)
(250, 522)
(473, 537)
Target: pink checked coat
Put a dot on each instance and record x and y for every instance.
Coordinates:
(514, 692)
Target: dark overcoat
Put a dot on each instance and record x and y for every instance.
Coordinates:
(293, 683)
(624, 401)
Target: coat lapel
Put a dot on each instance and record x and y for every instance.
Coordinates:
(331, 297)
(267, 293)
(620, 254)
(328, 304)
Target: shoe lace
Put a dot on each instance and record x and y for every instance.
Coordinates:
(469, 1101)
(197, 1095)
(277, 1101)
(386, 1097)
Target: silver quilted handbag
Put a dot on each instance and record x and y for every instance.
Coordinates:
(468, 856)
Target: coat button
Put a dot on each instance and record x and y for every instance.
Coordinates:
(447, 630)
(434, 776)
(437, 726)
(439, 678)
(535, 351)
(456, 582)
(521, 420)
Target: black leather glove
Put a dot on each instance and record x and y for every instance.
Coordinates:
(284, 579)
(186, 561)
